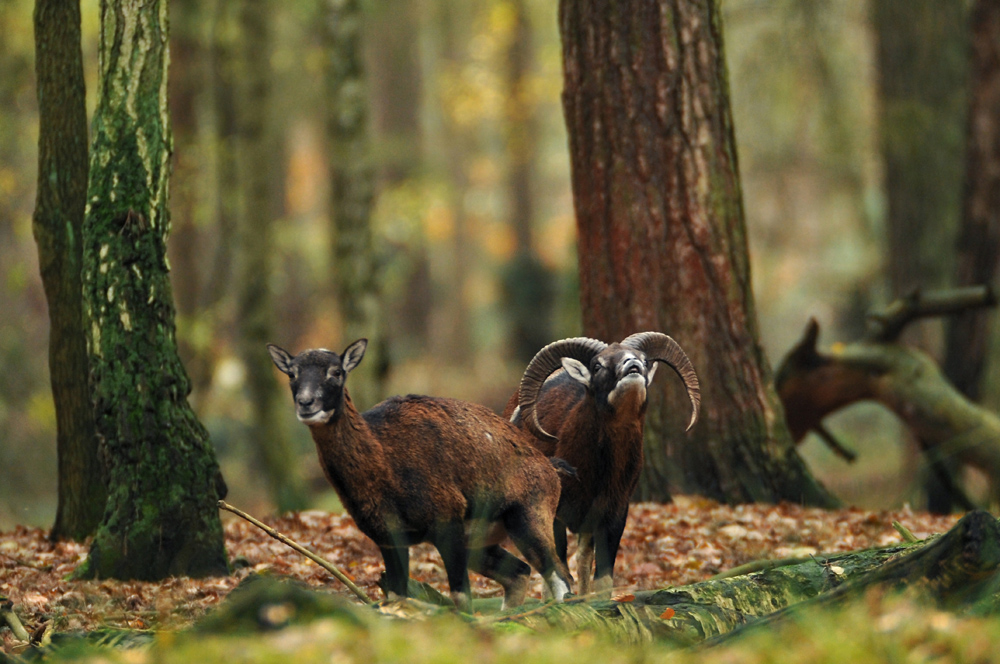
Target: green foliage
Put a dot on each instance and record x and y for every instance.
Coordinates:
(868, 630)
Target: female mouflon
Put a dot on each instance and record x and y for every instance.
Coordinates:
(424, 469)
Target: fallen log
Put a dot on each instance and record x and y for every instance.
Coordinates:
(957, 570)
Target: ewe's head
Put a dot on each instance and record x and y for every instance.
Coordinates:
(317, 379)
(613, 375)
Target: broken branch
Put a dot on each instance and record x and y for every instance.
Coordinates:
(8, 616)
(328, 566)
(888, 324)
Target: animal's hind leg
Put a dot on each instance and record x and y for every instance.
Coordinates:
(450, 543)
(397, 570)
(512, 573)
(585, 563)
(533, 535)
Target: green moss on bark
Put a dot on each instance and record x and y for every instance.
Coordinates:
(163, 478)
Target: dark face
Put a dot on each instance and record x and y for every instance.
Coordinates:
(317, 382)
(317, 379)
(617, 375)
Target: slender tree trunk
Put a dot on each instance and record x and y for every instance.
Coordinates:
(454, 338)
(979, 234)
(922, 72)
(58, 222)
(396, 84)
(662, 243)
(529, 286)
(189, 239)
(255, 306)
(163, 479)
(352, 192)
(921, 58)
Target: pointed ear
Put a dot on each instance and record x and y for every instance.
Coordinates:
(281, 358)
(352, 356)
(576, 370)
(650, 372)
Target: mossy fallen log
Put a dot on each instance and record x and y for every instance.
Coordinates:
(957, 570)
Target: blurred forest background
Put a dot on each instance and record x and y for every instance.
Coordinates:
(472, 210)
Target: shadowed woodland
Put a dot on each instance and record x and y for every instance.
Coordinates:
(462, 184)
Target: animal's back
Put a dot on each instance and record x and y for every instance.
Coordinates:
(459, 452)
(558, 396)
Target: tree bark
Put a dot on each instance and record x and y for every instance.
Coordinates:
(979, 233)
(354, 261)
(161, 517)
(267, 437)
(662, 242)
(57, 226)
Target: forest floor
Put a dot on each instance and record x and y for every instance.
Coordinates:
(663, 545)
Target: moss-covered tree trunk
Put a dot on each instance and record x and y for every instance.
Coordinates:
(58, 221)
(355, 264)
(662, 242)
(161, 517)
(969, 333)
(267, 436)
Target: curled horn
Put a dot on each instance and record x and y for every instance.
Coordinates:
(547, 360)
(658, 346)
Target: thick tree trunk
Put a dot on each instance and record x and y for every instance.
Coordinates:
(57, 226)
(267, 437)
(979, 233)
(354, 261)
(161, 518)
(662, 243)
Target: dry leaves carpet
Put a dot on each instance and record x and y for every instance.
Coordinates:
(664, 545)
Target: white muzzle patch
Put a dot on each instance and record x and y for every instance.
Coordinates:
(316, 419)
(632, 385)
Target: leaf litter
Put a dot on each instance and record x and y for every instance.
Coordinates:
(689, 540)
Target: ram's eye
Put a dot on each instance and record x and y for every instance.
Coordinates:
(335, 373)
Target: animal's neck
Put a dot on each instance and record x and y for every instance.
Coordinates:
(350, 454)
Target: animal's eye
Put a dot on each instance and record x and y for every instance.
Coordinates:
(335, 373)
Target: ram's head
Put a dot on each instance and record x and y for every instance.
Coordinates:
(611, 373)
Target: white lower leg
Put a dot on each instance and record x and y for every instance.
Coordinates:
(556, 586)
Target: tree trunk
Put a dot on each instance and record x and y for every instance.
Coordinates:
(921, 59)
(354, 260)
(58, 221)
(662, 242)
(528, 284)
(163, 479)
(453, 338)
(396, 84)
(190, 230)
(267, 437)
(979, 233)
